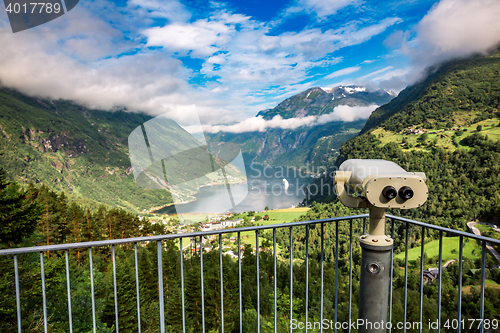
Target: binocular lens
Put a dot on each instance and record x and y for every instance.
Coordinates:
(390, 192)
(405, 193)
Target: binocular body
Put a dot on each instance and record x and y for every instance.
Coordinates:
(380, 183)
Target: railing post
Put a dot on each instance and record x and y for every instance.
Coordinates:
(375, 275)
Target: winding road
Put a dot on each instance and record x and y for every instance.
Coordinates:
(490, 248)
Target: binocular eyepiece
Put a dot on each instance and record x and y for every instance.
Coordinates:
(389, 192)
(405, 192)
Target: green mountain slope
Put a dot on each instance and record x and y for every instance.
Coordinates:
(74, 149)
(449, 96)
(456, 111)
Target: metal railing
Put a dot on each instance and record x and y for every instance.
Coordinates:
(407, 223)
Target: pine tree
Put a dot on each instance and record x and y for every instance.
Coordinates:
(18, 221)
(74, 216)
(126, 291)
(18, 216)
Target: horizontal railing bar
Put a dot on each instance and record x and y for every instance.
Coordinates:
(233, 230)
(449, 231)
(170, 236)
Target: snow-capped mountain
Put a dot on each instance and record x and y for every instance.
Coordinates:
(318, 101)
(318, 145)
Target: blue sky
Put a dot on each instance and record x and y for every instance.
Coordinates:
(234, 58)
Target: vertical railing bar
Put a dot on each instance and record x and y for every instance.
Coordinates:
(440, 271)
(336, 271)
(239, 281)
(291, 277)
(18, 294)
(68, 287)
(350, 274)
(42, 273)
(182, 289)
(114, 288)
(307, 274)
(221, 284)
(483, 277)
(258, 279)
(406, 279)
(422, 252)
(392, 276)
(460, 257)
(275, 284)
(137, 289)
(322, 275)
(94, 324)
(160, 285)
(202, 287)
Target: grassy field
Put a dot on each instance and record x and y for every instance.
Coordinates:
(283, 215)
(488, 284)
(444, 138)
(450, 250)
(276, 216)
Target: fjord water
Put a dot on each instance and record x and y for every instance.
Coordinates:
(265, 188)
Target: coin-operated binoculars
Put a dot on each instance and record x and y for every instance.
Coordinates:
(377, 185)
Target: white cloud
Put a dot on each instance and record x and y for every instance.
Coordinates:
(80, 57)
(218, 59)
(259, 124)
(374, 73)
(344, 113)
(269, 43)
(343, 71)
(451, 29)
(172, 10)
(203, 38)
(321, 8)
(41, 64)
(391, 74)
(347, 113)
(459, 28)
(316, 43)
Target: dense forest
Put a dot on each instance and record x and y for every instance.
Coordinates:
(40, 216)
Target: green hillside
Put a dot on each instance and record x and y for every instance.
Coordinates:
(458, 93)
(70, 148)
(456, 111)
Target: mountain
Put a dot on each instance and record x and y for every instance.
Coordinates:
(70, 148)
(318, 101)
(314, 145)
(448, 126)
(85, 153)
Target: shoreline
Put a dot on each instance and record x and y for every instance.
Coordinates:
(155, 209)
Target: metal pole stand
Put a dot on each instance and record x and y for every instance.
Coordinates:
(375, 274)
